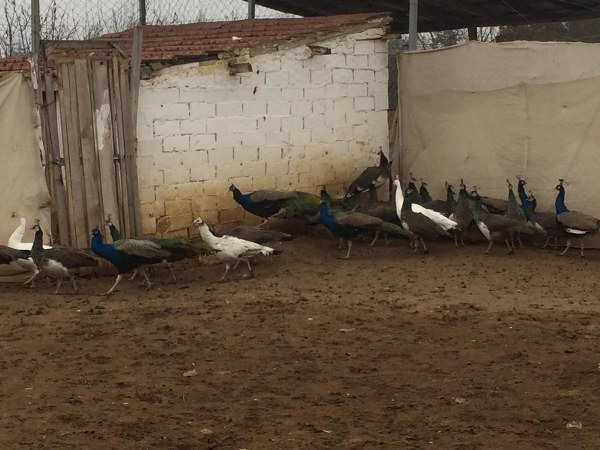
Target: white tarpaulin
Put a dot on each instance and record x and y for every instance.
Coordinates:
(488, 112)
(23, 189)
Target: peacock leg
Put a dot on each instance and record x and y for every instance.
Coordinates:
(249, 268)
(133, 275)
(546, 243)
(555, 242)
(227, 268)
(511, 249)
(58, 285)
(462, 238)
(75, 288)
(581, 240)
(487, 250)
(425, 249)
(567, 247)
(520, 241)
(30, 279)
(340, 242)
(147, 278)
(512, 240)
(348, 252)
(111, 290)
(456, 239)
(264, 222)
(375, 239)
(387, 241)
(237, 263)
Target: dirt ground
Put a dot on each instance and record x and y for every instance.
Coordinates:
(389, 350)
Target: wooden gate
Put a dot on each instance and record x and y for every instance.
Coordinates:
(90, 141)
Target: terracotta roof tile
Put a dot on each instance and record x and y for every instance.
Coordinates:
(189, 41)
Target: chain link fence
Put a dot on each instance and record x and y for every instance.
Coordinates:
(84, 19)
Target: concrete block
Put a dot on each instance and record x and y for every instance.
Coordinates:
(343, 133)
(218, 125)
(335, 91)
(218, 187)
(254, 108)
(195, 158)
(242, 124)
(292, 124)
(245, 154)
(269, 153)
(320, 77)
(322, 134)
(287, 182)
(181, 222)
(378, 60)
(167, 128)
(231, 215)
(229, 139)
(187, 191)
(229, 109)
(268, 94)
(382, 76)
(364, 75)
(335, 119)
(269, 62)
(231, 170)
(203, 172)
(211, 217)
(176, 144)
(148, 225)
(204, 203)
(364, 47)
(177, 175)
(322, 106)
(150, 178)
(147, 195)
(145, 131)
(315, 93)
(203, 141)
(301, 108)
(292, 93)
(269, 124)
(342, 76)
(200, 110)
(358, 90)
(277, 139)
(193, 126)
(357, 61)
(177, 207)
(251, 80)
(149, 147)
(356, 117)
(364, 103)
(157, 96)
(300, 78)
(192, 95)
(278, 108)
(218, 156)
(306, 179)
(344, 104)
(264, 182)
(243, 183)
(334, 61)
(277, 79)
(362, 132)
(315, 62)
(381, 102)
(173, 111)
(299, 165)
(300, 138)
(254, 168)
(276, 168)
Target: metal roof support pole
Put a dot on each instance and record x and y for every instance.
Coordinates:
(251, 9)
(412, 24)
(142, 20)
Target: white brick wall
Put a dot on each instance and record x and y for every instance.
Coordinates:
(299, 123)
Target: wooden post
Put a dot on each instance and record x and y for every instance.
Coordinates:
(472, 33)
(35, 27)
(412, 24)
(251, 9)
(142, 12)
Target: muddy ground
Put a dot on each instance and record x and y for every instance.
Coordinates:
(390, 350)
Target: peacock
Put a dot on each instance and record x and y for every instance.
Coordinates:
(574, 223)
(444, 207)
(495, 226)
(281, 204)
(59, 262)
(378, 175)
(515, 212)
(544, 222)
(16, 238)
(418, 221)
(347, 225)
(255, 234)
(231, 249)
(386, 211)
(424, 193)
(462, 214)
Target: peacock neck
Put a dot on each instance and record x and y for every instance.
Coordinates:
(522, 195)
(449, 196)
(477, 211)
(399, 199)
(37, 248)
(207, 235)
(238, 196)
(560, 201)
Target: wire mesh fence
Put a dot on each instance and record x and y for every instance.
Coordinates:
(84, 19)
